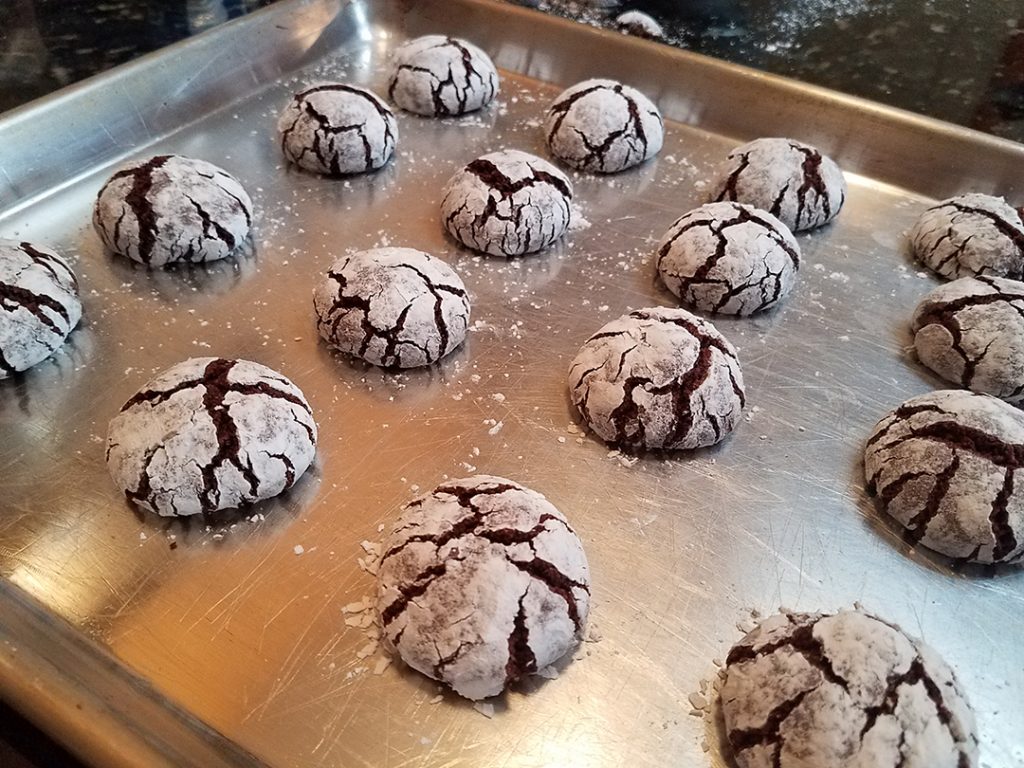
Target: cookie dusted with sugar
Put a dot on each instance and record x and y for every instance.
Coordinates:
(843, 691)
(39, 305)
(794, 182)
(337, 130)
(393, 307)
(945, 465)
(440, 76)
(171, 209)
(507, 203)
(481, 583)
(603, 126)
(209, 434)
(971, 235)
(971, 332)
(658, 378)
(729, 258)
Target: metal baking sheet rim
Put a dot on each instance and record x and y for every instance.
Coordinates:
(54, 698)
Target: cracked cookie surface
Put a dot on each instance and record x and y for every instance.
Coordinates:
(843, 691)
(39, 304)
(603, 126)
(393, 307)
(481, 583)
(170, 209)
(971, 235)
(971, 332)
(658, 378)
(210, 434)
(337, 129)
(794, 182)
(440, 76)
(729, 258)
(947, 466)
(507, 203)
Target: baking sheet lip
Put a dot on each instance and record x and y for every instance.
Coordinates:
(63, 711)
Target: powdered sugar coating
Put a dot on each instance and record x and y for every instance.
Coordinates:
(507, 203)
(658, 378)
(843, 691)
(947, 465)
(394, 307)
(210, 434)
(729, 258)
(337, 129)
(481, 583)
(603, 126)
(639, 24)
(970, 235)
(39, 304)
(971, 332)
(440, 76)
(171, 209)
(793, 181)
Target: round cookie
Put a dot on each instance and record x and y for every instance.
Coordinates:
(794, 182)
(971, 332)
(481, 583)
(210, 434)
(658, 378)
(170, 209)
(970, 235)
(440, 76)
(729, 258)
(39, 305)
(337, 129)
(639, 24)
(393, 307)
(603, 126)
(843, 691)
(507, 203)
(945, 465)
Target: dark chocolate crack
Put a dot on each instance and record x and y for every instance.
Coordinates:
(51, 265)
(14, 297)
(1008, 229)
(811, 182)
(137, 199)
(729, 189)
(521, 659)
(556, 582)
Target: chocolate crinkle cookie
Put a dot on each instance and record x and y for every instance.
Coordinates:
(794, 182)
(658, 378)
(603, 126)
(481, 583)
(507, 203)
(393, 307)
(729, 258)
(971, 235)
(39, 304)
(639, 24)
(171, 209)
(971, 332)
(440, 76)
(209, 434)
(846, 690)
(944, 465)
(337, 130)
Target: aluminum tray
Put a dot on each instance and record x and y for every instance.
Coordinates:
(230, 648)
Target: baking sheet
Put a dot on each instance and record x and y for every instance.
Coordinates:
(237, 628)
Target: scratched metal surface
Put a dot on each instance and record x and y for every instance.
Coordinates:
(235, 627)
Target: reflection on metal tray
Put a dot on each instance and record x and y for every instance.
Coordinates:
(142, 642)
